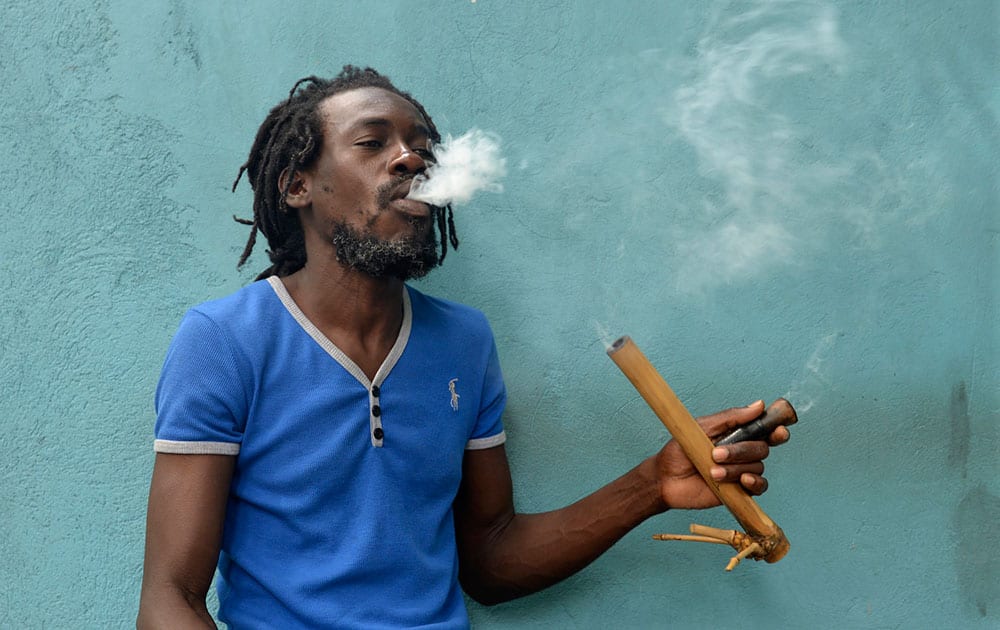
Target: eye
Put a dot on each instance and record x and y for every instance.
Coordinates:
(369, 144)
(426, 154)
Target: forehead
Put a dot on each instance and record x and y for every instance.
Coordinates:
(345, 110)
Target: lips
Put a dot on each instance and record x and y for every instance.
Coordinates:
(402, 189)
(411, 207)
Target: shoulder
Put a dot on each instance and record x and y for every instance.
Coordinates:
(238, 321)
(243, 311)
(250, 296)
(437, 311)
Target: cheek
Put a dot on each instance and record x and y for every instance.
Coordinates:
(350, 197)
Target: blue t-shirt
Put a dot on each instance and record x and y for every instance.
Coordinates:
(340, 509)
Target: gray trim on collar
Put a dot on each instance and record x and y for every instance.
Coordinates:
(345, 361)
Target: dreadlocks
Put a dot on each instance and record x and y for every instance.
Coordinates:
(290, 140)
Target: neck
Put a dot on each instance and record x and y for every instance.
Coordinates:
(360, 314)
(333, 296)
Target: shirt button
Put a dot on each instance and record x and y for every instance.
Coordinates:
(378, 433)
(375, 391)
(376, 411)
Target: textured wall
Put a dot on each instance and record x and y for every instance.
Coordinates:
(774, 198)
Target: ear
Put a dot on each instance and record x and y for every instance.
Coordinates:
(298, 193)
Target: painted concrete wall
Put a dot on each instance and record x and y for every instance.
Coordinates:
(779, 198)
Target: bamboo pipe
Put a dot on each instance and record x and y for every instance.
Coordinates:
(772, 545)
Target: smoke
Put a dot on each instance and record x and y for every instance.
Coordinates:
(761, 159)
(603, 333)
(781, 158)
(464, 166)
(814, 376)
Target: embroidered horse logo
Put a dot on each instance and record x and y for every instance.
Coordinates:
(454, 394)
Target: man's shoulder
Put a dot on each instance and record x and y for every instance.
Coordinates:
(242, 308)
(444, 310)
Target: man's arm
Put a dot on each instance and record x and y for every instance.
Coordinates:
(504, 555)
(187, 506)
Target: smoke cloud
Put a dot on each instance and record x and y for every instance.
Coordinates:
(464, 166)
(759, 157)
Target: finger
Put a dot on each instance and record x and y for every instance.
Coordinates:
(754, 484)
(737, 472)
(741, 452)
(725, 421)
(779, 436)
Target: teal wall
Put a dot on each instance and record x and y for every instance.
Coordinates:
(779, 198)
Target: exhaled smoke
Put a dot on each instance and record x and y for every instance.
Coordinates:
(788, 165)
(759, 156)
(464, 166)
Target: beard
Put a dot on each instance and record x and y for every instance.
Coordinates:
(405, 258)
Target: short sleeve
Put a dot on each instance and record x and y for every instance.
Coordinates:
(201, 400)
(489, 431)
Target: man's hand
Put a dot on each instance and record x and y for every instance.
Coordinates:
(681, 487)
(505, 554)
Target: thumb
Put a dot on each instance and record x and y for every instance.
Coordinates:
(725, 421)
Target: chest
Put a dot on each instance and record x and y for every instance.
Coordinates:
(317, 430)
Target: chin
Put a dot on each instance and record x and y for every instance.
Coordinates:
(406, 258)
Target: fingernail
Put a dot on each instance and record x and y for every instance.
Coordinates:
(718, 473)
(755, 403)
(720, 454)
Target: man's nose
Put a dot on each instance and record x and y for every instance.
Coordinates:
(407, 162)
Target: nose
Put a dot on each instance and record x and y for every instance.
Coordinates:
(407, 162)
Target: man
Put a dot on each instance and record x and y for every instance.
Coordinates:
(330, 438)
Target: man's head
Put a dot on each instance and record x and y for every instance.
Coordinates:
(314, 161)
